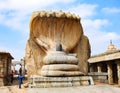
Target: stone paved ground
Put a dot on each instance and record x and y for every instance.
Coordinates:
(12, 89)
(85, 89)
(97, 88)
(4, 90)
(82, 89)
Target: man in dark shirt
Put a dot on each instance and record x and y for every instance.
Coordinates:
(20, 78)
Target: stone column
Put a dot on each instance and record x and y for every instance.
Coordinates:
(99, 67)
(91, 68)
(23, 66)
(118, 71)
(110, 73)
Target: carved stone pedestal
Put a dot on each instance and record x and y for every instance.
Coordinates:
(59, 64)
(46, 82)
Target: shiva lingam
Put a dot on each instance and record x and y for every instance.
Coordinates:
(58, 63)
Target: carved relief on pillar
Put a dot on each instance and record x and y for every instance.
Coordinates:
(118, 71)
(110, 73)
(99, 67)
(91, 68)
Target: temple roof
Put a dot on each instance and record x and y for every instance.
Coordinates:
(105, 53)
(111, 47)
(111, 54)
(7, 53)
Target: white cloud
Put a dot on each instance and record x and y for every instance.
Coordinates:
(99, 39)
(30, 4)
(94, 29)
(15, 14)
(84, 10)
(17, 52)
(113, 10)
(94, 24)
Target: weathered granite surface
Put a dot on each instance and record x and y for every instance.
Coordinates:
(47, 29)
(59, 63)
(48, 82)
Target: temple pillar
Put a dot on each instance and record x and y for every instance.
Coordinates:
(91, 68)
(23, 66)
(110, 73)
(118, 72)
(99, 67)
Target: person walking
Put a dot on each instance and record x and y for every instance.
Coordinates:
(20, 78)
(20, 70)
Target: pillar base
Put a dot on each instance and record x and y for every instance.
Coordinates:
(45, 82)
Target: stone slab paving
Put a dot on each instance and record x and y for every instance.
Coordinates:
(12, 89)
(81, 89)
(4, 90)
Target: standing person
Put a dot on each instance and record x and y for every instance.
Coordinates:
(20, 78)
(20, 70)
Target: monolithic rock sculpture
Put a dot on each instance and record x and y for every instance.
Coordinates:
(49, 28)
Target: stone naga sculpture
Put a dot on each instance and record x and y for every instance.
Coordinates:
(49, 28)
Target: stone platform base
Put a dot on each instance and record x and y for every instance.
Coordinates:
(46, 82)
(99, 77)
(79, 89)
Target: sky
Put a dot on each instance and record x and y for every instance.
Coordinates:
(99, 18)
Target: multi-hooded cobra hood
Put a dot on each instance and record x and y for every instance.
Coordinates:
(49, 28)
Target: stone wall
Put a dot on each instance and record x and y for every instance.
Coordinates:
(5, 68)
